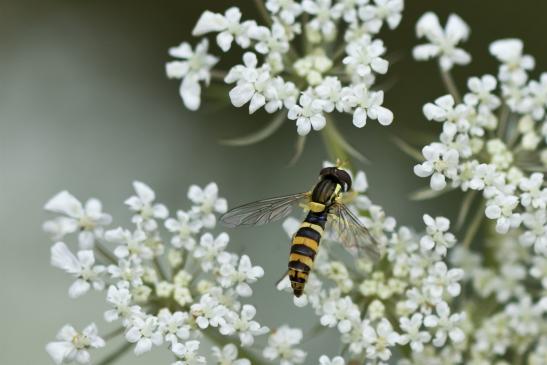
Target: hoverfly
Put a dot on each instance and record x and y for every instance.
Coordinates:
(325, 205)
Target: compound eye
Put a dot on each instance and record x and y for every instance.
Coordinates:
(328, 171)
(344, 177)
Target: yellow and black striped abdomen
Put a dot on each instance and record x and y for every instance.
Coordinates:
(304, 247)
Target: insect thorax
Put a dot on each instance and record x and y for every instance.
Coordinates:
(325, 191)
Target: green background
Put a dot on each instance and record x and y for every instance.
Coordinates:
(85, 106)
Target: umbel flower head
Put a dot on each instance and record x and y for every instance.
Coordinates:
(164, 287)
(174, 288)
(492, 147)
(307, 60)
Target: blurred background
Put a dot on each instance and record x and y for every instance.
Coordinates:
(85, 106)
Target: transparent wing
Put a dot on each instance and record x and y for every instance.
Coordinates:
(263, 211)
(352, 233)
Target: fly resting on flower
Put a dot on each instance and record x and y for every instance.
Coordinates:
(324, 203)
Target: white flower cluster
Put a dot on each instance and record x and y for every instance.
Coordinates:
(494, 141)
(335, 70)
(515, 325)
(403, 302)
(496, 144)
(171, 292)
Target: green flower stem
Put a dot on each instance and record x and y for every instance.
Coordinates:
(331, 138)
(450, 85)
(337, 147)
(218, 75)
(263, 12)
(474, 226)
(503, 119)
(114, 333)
(222, 341)
(159, 268)
(106, 253)
(110, 359)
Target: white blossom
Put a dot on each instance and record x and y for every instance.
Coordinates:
(82, 267)
(281, 346)
(228, 26)
(73, 346)
(195, 66)
(443, 42)
(89, 220)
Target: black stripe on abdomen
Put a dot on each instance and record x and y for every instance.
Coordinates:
(303, 250)
(317, 218)
(308, 232)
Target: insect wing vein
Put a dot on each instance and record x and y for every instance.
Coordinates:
(262, 211)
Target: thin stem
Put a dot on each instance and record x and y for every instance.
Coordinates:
(464, 209)
(263, 12)
(114, 333)
(450, 85)
(503, 119)
(110, 359)
(337, 147)
(159, 268)
(332, 143)
(474, 227)
(218, 75)
(106, 253)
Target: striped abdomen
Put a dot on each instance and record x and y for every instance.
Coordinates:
(304, 247)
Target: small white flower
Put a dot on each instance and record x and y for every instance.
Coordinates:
(130, 244)
(244, 326)
(363, 56)
(83, 268)
(188, 353)
(440, 279)
(382, 10)
(89, 220)
(252, 83)
(412, 334)
(175, 326)
(515, 64)
(440, 163)
(534, 194)
(145, 333)
(380, 340)
(322, 25)
(73, 345)
(481, 92)
(368, 104)
(120, 298)
(501, 208)
(241, 276)
(337, 360)
(281, 346)
(206, 203)
(308, 114)
(209, 249)
(341, 312)
(208, 312)
(437, 235)
(443, 42)
(185, 227)
(143, 205)
(446, 325)
(228, 355)
(229, 27)
(288, 10)
(195, 66)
